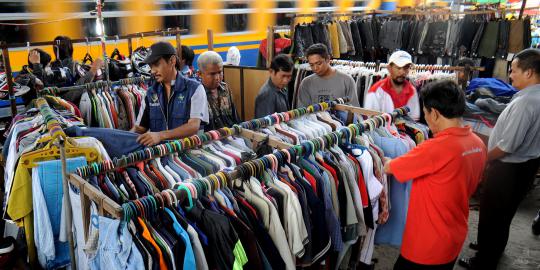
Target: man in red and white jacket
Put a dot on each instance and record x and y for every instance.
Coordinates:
(395, 90)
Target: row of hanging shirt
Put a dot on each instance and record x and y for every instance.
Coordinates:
(325, 204)
(410, 133)
(304, 128)
(366, 75)
(474, 35)
(146, 178)
(115, 107)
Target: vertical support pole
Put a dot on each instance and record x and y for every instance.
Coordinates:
(210, 37)
(130, 46)
(269, 46)
(179, 45)
(7, 65)
(99, 6)
(523, 4)
(67, 204)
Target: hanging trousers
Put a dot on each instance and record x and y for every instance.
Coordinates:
(505, 187)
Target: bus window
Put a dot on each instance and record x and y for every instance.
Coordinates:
(184, 22)
(281, 17)
(326, 3)
(236, 22)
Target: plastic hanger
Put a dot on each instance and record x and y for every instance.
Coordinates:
(87, 56)
(188, 193)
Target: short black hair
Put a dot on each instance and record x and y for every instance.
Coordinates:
(44, 57)
(445, 96)
(188, 55)
(318, 48)
(529, 59)
(465, 61)
(167, 57)
(282, 62)
(63, 48)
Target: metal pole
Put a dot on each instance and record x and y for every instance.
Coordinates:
(179, 46)
(523, 4)
(67, 204)
(7, 65)
(99, 6)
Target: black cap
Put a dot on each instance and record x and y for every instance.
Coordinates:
(158, 50)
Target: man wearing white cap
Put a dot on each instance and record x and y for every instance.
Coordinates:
(395, 90)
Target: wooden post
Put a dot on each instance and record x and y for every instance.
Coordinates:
(210, 37)
(130, 46)
(269, 46)
(9, 77)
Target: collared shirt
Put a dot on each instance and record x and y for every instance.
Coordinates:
(271, 100)
(446, 171)
(517, 131)
(221, 109)
(382, 97)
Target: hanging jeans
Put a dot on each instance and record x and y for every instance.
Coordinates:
(50, 176)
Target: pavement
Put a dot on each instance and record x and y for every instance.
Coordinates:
(522, 251)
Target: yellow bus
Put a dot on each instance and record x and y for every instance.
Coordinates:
(235, 23)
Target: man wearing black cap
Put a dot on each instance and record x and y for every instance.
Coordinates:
(175, 106)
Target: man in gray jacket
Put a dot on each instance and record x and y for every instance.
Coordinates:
(326, 83)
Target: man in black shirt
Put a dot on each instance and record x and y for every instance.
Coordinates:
(273, 97)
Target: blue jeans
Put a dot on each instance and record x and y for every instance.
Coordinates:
(116, 250)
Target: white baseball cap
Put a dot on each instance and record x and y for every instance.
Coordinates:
(400, 58)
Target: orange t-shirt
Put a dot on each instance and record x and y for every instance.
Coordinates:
(446, 171)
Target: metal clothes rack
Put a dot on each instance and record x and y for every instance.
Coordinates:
(5, 51)
(378, 66)
(416, 12)
(251, 168)
(98, 84)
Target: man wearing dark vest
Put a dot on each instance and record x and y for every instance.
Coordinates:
(175, 106)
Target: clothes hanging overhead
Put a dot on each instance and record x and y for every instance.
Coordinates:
(428, 40)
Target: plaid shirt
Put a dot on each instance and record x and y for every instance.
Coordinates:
(221, 109)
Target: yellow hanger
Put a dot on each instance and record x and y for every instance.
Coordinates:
(52, 151)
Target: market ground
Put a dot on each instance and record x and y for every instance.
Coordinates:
(522, 251)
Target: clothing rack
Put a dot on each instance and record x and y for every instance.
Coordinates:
(270, 40)
(419, 12)
(58, 145)
(98, 84)
(111, 208)
(276, 118)
(253, 167)
(438, 67)
(105, 204)
(9, 73)
(379, 66)
(159, 150)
